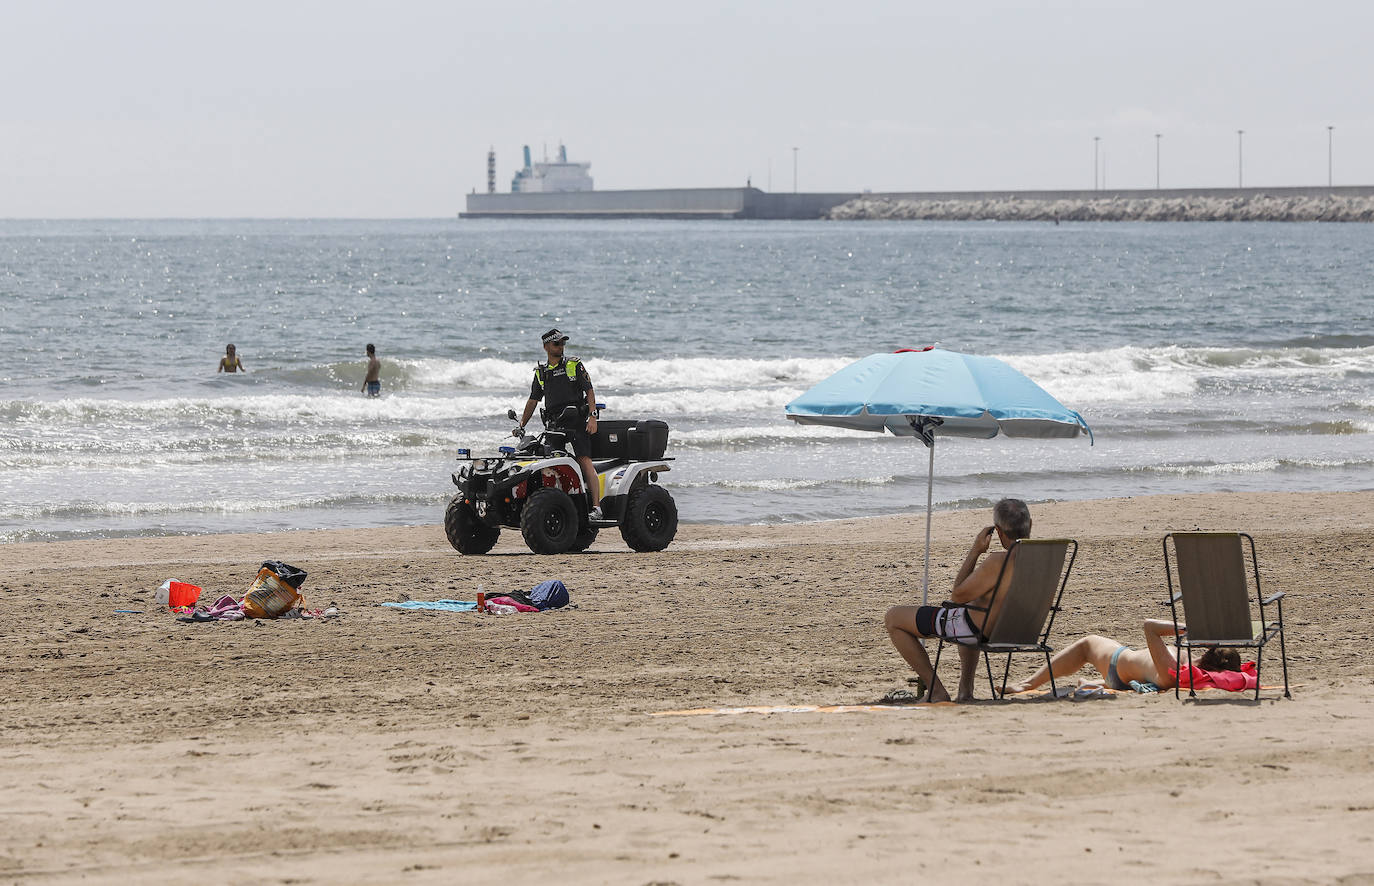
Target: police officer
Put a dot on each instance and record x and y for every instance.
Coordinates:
(560, 383)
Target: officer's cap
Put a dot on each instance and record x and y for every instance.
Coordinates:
(553, 335)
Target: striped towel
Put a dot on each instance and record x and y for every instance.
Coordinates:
(441, 605)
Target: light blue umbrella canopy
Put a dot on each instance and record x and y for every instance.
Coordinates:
(949, 393)
(935, 392)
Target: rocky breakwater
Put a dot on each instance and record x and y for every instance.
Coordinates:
(1260, 207)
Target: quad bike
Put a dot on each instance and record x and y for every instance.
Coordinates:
(537, 487)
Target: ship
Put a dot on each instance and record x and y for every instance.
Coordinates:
(558, 177)
(564, 189)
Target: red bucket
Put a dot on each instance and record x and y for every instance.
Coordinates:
(177, 593)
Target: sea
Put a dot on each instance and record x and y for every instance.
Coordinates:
(1207, 357)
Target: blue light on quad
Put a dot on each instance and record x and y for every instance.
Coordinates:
(465, 452)
(507, 450)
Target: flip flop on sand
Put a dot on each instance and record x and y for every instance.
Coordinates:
(903, 696)
(1089, 691)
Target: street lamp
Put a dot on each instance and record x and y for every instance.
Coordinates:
(1157, 138)
(794, 170)
(1096, 139)
(1328, 155)
(1240, 158)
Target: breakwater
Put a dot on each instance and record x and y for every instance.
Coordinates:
(1257, 205)
(1347, 203)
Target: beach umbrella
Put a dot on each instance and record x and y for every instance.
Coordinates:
(934, 392)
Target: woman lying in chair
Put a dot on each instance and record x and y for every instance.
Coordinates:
(1120, 665)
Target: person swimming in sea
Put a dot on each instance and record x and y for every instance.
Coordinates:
(372, 384)
(230, 362)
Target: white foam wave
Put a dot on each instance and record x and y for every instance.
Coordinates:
(125, 509)
(1329, 462)
(482, 391)
(1130, 374)
(608, 375)
(305, 409)
(1264, 465)
(205, 446)
(786, 484)
(1258, 466)
(753, 434)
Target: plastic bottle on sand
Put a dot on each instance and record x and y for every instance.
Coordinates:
(481, 600)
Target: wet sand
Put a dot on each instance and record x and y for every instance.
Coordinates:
(388, 746)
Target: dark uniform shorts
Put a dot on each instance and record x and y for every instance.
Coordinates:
(581, 442)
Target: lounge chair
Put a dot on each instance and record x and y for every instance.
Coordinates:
(1216, 601)
(1032, 599)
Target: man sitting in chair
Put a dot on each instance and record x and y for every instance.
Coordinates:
(956, 622)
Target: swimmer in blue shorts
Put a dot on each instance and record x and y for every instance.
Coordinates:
(372, 384)
(956, 623)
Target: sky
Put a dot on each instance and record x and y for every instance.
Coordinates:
(297, 108)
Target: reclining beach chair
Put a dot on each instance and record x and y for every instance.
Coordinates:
(1216, 600)
(1032, 599)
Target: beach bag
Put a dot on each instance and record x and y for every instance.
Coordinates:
(549, 595)
(276, 590)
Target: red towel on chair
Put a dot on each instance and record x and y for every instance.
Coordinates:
(1231, 681)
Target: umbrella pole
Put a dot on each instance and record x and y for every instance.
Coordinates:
(930, 491)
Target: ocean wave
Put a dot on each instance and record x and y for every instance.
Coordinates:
(94, 458)
(1125, 374)
(1257, 466)
(227, 506)
(489, 374)
(1333, 428)
(293, 411)
(733, 436)
(791, 484)
(19, 536)
(1172, 372)
(1330, 341)
(486, 388)
(1104, 375)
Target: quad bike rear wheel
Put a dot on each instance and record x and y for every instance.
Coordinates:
(650, 521)
(466, 531)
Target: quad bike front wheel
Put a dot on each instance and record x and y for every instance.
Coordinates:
(549, 522)
(650, 521)
(466, 531)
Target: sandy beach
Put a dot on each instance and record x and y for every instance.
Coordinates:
(387, 746)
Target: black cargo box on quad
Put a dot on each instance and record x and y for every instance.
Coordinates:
(612, 439)
(648, 440)
(636, 440)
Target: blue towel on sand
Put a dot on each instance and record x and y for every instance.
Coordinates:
(441, 605)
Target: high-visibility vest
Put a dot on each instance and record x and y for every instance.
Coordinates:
(571, 363)
(555, 390)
